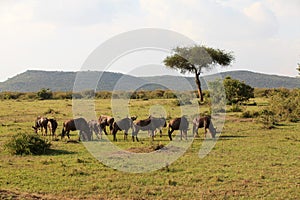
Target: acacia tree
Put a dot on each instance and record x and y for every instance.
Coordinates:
(298, 68)
(195, 59)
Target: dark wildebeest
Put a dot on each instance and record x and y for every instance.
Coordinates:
(123, 124)
(76, 124)
(52, 125)
(179, 123)
(104, 121)
(95, 127)
(200, 122)
(150, 124)
(41, 123)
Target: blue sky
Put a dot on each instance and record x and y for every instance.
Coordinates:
(60, 35)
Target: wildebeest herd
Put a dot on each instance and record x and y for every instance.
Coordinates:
(150, 124)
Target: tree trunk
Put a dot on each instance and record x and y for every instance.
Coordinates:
(198, 83)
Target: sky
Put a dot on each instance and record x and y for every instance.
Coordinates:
(59, 35)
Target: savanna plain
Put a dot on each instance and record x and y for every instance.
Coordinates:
(247, 162)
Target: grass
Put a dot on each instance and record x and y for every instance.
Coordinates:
(248, 162)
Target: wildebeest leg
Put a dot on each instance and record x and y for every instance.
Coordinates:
(180, 134)
(35, 129)
(99, 134)
(160, 131)
(170, 133)
(68, 134)
(195, 129)
(151, 133)
(103, 127)
(110, 128)
(125, 134)
(42, 132)
(115, 136)
(105, 130)
(185, 133)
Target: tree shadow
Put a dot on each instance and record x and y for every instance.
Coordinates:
(56, 152)
(228, 137)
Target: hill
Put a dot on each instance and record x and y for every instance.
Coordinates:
(34, 80)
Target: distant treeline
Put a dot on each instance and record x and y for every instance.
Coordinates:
(141, 94)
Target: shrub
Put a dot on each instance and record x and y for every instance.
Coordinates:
(27, 144)
(44, 94)
(285, 104)
(267, 118)
(235, 108)
(237, 91)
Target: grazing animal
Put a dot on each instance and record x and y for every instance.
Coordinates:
(41, 123)
(77, 124)
(150, 124)
(181, 124)
(104, 121)
(123, 124)
(203, 122)
(95, 127)
(52, 125)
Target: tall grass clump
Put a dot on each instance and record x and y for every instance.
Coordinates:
(27, 144)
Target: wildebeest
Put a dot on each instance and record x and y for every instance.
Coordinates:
(77, 124)
(104, 121)
(95, 127)
(200, 122)
(52, 125)
(150, 124)
(179, 123)
(41, 123)
(123, 124)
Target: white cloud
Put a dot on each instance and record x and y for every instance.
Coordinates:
(263, 19)
(52, 34)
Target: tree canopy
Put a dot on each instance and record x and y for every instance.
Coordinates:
(237, 91)
(197, 58)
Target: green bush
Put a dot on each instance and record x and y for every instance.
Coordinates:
(267, 118)
(235, 108)
(27, 144)
(44, 94)
(285, 104)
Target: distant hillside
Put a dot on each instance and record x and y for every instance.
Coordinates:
(34, 80)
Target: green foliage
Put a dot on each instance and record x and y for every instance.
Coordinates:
(62, 95)
(267, 118)
(298, 68)
(26, 144)
(235, 107)
(195, 59)
(262, 92)
(285, 104)
(45, 94)
(104, 95)
(237, 91)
